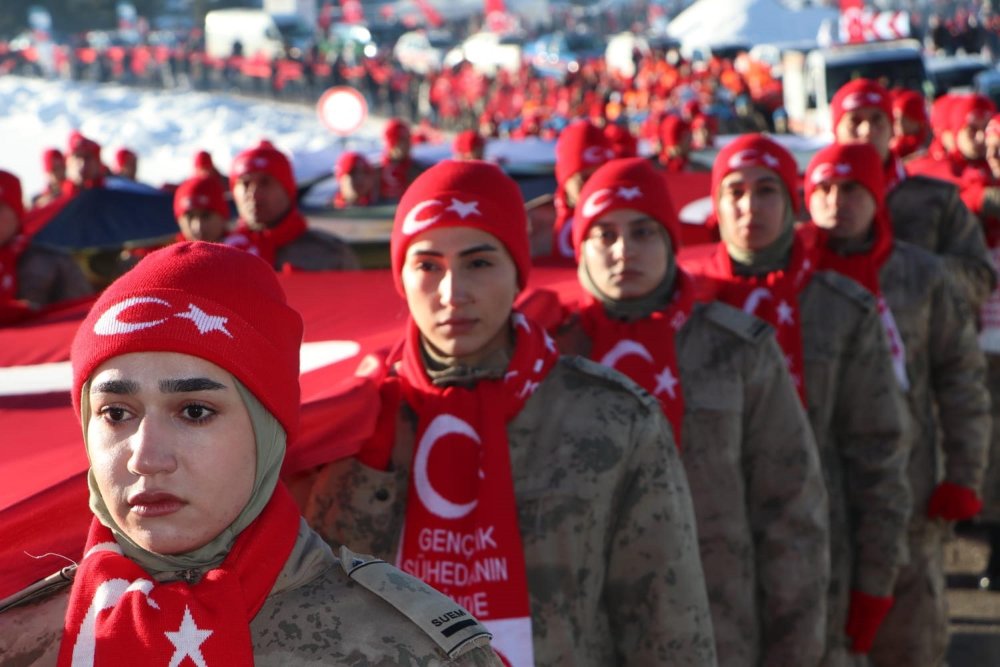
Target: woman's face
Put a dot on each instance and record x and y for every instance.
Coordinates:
(172, 448)
(460, 284)
(626, 254)
(751, 211)
(202, 224)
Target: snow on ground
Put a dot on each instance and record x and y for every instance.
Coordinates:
(165, 129)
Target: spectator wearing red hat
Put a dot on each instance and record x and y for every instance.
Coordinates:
(398, 168)
(203, 165)
(829, 330)
(924, 211)
(910, 124)
(355, 180)
(185, 377)
(623, 142)
(704, 127)
(675, 143)
(582, 147)
(468, 145)
(30, 274)
(201, 210)
(126, 164)
(968, 117)
(84, 169)
(565, 467)
(941, 371)
(764, 531)
(270, 223)
(54, 168)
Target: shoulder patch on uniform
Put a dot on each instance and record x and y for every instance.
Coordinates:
(848, 287)
(612, 377)
(744, 325)
(450, 625)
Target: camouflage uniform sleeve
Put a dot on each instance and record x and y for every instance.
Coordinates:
(868, 427)
(787, 507)
(963, 248)
(655, 585)
(958, 380)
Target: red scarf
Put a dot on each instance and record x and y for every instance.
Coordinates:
(644, 349)
(773, 297)
(562, 230)
(894, 172)
(461, 532)
(265, 243)
(118, 615)
(10, 252)
(395, 177)
(864, 268)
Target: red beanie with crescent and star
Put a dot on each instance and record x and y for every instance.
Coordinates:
(838, 163)
(581, 145)
(264, 157)
(632, 183)
(466, 193)
(207, 300)
(756, 150)
(860, 94)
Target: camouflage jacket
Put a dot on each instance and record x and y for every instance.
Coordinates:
(949, 406)
(605, 518)
(316, 250)
(757, 485)
(46, 276)
(323, 610)
(929, 213)
(857, 413)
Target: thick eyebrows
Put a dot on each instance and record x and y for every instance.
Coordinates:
(125, 387)
(483, 247)
(185, 385)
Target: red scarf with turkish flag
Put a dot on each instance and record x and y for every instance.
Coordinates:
(461, 532)
(118, 615)
(773, 297)
(10, 252)
(645, 349)
(265, 243)
(864, 268)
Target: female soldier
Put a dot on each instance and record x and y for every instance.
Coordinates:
(747, 446)
(829, 330)
(182, 381)
(544, 491)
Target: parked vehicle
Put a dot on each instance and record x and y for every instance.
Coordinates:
(421, 51)
(954, 72)
(488, 52)
(254, 31)
(810, 79)
(560, 53)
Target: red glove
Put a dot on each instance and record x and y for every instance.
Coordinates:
(953, 502)
(863, 620)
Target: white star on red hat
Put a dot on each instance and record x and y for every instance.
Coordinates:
(204, 321)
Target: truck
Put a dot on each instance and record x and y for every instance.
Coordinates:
(250, 32)
(810, 79)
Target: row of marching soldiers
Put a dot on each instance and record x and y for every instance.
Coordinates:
(807, 411)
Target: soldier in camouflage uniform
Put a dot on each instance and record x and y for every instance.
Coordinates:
(941, 370)
(746, 443)
(178, 566)
(927, 212)
(829, 330)
(603, 510)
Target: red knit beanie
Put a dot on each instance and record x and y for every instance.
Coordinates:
(672, 130)
(910, 104)
(860, 94)
(395, 130)
(50, 157)
(203, 192)
(755, 150)
(81, 145)
(632, 183)
(467, 193)
(468, 141)
(940, 112)
(966, 108)
(207, 300)
(581, 145)
(993, 127)
(122, 155)
(203, 161)
(10, 193)
(347, 162)
(264, 157)
(838, 163)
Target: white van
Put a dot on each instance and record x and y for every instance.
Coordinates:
(256, 31)
(810, 80)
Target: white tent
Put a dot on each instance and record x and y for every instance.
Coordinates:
(751, 22)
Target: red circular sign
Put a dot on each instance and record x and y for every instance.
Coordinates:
(342, 109)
